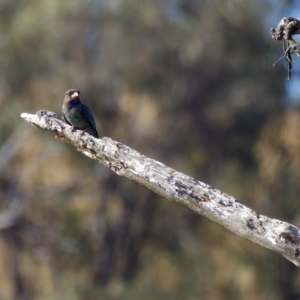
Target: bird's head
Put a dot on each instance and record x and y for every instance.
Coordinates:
(72, 94)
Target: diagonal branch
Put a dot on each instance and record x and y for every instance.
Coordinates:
(205, 200)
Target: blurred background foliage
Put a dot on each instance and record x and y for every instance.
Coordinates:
(186, 82)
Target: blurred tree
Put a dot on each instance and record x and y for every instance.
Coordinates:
(186, 82)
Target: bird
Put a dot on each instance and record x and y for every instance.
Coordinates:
(78, 115)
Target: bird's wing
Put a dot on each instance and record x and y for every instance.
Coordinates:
(88, 116)
(65, 119)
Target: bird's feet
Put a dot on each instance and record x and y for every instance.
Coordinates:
(81, 132)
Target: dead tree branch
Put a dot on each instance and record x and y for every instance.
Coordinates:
(284, 31)
(221, 208)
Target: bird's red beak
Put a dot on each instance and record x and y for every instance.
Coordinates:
(75, 95)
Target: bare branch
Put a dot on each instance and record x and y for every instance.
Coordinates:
(221, 208)
(284, 31)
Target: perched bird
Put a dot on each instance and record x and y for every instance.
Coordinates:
(78, 115)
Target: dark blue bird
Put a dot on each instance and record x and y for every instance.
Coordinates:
(78, 115)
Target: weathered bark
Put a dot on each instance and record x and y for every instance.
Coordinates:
(225, 210)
